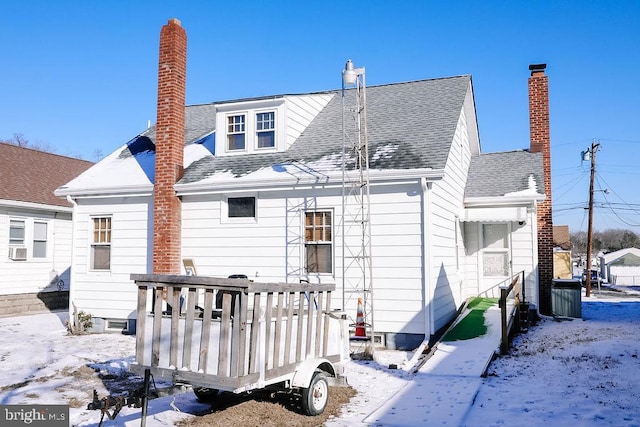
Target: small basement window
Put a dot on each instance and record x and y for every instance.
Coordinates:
(120, 325)
(241, 207)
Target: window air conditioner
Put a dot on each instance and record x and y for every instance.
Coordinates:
(18, 253)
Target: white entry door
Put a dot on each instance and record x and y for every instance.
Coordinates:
(495, 255)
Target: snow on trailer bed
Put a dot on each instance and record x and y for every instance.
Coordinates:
(262, 335)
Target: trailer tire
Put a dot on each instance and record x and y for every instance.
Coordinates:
(316, 396)
(205, 394)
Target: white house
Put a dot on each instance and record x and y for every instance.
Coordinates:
(35, 229)
(621, 267)
(255, 187)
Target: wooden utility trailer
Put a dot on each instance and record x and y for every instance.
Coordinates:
(262, 335)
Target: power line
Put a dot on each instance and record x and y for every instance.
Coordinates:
(628, 141)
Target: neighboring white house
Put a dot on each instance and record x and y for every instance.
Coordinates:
(261, 195)
(35, 229)
(621, 267)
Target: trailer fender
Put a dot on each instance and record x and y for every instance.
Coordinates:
(304, 372)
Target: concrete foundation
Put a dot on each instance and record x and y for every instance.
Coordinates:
(11, 305)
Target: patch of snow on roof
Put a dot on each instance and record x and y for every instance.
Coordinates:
(193, 153)
(384, 151)
(314, 171)
(530, 191)
(115, 171)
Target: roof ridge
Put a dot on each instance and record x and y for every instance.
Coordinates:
(49, 153)
(517, 150)
(323, 92)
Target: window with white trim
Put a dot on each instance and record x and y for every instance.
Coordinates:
(495, 250)
(101, 244)
(318, 242)
(236, 132)
(252, 126)
(16, 232)
(266, 129)
(39, 239)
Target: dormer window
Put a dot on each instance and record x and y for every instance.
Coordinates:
(266, 129)
(236, 127)
(251, 127)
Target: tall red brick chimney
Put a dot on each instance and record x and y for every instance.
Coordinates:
(541, 143)
(167, 210)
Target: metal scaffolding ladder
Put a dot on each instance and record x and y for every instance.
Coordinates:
(356, 209)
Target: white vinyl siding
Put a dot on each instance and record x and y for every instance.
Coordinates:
(522, 254)
(36, 274)
(396, 218)
(301, 110)
(112, 294)
(448, 195)
(272, 249)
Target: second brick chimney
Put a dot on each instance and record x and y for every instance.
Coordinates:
(167, 209)
(541, 143)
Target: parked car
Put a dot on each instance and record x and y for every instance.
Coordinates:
(596, 280)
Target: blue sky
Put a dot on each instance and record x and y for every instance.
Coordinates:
(80, 76)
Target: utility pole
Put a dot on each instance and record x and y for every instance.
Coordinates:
(592, 150)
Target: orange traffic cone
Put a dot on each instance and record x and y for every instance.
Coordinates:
(360, 331)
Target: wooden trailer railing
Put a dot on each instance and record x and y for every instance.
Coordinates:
(258, 333)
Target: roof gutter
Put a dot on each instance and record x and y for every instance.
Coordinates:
(32, 205)
(503, 200)
(133, 190)
(333, 180)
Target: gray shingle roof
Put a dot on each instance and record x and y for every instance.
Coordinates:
(411, 126)
(417, 119)
(200, 120)
(497, 174)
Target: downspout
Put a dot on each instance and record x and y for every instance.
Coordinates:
(73, 256)
(53, 274)
(416, 361)
(426, 260)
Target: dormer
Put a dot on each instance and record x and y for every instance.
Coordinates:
(266, 125)
(247, 127)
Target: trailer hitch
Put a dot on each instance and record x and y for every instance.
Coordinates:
(115, 402)
(138, 399)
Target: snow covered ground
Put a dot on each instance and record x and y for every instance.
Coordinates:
(582, 372)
